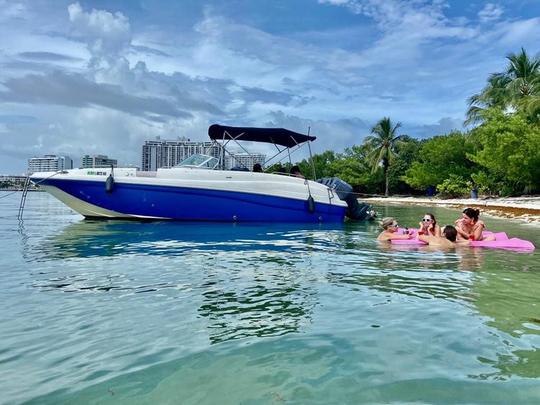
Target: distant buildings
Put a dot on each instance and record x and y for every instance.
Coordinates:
(12, 182)
(158, 153)
(95, 161)
(49, 163)
(243, 160)
(155, 154)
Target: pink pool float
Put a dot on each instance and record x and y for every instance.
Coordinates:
(502, 241)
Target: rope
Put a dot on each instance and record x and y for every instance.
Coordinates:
(8, 194)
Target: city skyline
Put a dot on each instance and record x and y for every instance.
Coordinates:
(156, 153)
(94, 76)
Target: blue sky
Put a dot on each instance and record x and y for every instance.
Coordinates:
(101, 77)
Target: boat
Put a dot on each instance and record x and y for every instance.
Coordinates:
(199, 189)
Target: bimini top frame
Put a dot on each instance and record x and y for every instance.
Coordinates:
(276, 136)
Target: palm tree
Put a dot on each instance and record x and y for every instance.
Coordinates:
(382, 145)
(517, 88)
(495, 94)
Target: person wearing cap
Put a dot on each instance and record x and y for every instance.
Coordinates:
(390, 227)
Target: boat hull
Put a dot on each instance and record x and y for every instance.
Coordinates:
(129, 200)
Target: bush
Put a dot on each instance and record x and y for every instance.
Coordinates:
(454, 186)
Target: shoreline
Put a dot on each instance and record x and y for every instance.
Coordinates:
(525, 209)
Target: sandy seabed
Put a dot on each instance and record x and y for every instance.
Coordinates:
(521, 208)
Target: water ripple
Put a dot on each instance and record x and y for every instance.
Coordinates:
(127, 312)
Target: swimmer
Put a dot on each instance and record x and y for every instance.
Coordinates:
(390, 228)
(447, 240)
(469, 227)
(428, 226)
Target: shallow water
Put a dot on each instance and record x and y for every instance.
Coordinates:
(127, 312)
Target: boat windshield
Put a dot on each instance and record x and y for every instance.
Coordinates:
(200, 161)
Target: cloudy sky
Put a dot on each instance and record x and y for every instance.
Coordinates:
(93, 77)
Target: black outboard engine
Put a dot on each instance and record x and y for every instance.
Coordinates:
(356, 210)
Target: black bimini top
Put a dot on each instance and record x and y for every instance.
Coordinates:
(278, 136)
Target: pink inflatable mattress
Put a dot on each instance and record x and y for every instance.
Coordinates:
(501, 241)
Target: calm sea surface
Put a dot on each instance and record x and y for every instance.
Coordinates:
(153, 313)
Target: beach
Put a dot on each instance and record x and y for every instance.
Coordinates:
(525, 208)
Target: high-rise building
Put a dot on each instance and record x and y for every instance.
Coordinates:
(94, 161)
(49, 163)
(243, 160)
(158, 153)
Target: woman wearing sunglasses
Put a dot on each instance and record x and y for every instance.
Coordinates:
(390, 230)
(429, 227)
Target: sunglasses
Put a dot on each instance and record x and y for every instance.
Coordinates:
(426, 220)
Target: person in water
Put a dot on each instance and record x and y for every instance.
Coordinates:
(390, 230)
(447, 239)
(428, 226)
(470, 227)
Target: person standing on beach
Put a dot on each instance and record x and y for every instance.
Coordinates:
(470, 227)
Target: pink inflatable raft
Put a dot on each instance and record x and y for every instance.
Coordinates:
(501, 241)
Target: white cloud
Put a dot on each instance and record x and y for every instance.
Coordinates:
(335, 2)
(490, 12)
(522, 33)
(10, 9)
(107, 35)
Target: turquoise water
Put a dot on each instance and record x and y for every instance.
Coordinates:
(146, 313)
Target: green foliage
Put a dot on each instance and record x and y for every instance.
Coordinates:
(454, 186)
(322, 164)
(509, 149)
(517, 88)
(382, 146)
(278, 168)
(437, 159)
(487, 183)
(407, 150)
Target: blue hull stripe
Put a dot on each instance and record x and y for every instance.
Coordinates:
(189, 204)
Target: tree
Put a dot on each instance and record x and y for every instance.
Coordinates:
(516, 89)
(438, 158)
(322, 163)
(407, 151)
(353, 167)
(508, 147)
(383, 145)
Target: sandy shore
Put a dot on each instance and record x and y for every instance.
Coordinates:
(521, 208)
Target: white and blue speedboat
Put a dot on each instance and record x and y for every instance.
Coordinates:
(197, 190)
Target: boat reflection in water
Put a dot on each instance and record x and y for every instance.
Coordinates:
(245, 279)
(98, 238)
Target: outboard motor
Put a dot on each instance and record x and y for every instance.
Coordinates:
(356, 210)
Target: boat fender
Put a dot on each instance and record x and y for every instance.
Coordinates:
(109, 184)
(311, 204)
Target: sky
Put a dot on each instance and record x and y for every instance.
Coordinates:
(101, 77)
